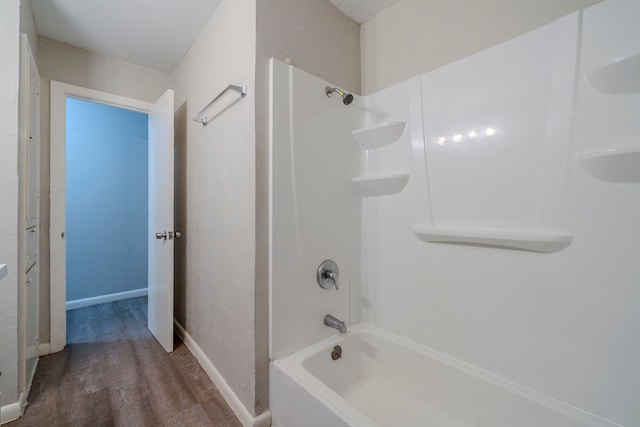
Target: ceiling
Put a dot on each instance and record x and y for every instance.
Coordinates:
(152, 33)
(362, 10)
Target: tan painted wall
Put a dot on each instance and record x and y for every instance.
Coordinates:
(81, 67)
(415, 36)
(15, 17)
(9, 72)
(315, 35)
(215, 186)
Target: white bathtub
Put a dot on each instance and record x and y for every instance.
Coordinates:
(383, 380)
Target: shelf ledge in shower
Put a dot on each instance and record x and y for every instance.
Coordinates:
(3, 270)
(618, 77)
(380, 185)
(379, 136)
(533, 241)
(613, 165)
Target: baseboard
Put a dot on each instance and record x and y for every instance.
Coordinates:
(44, 348)
(102, 299)
(245, 417)
(13, 411)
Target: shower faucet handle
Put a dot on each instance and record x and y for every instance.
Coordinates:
(333, 277)
(328, 275)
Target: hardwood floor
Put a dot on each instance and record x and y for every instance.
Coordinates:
(114, 373)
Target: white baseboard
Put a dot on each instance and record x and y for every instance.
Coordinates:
(245, 417)
(102, 299)
(13, 411)
(44, 348)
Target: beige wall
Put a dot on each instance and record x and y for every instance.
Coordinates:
(315, 35)
(81, 67)
(215, 179)
(69, 64)
(9, 71)
(415, 36)
(15, 17)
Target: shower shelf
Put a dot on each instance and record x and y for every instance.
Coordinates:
(3, 270)
(380, 185)
(613, 165)
(533, 241)
(379, 136)
(618, 77)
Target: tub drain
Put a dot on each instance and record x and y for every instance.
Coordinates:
(336, 353)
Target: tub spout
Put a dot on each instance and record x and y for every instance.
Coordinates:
(338, 324)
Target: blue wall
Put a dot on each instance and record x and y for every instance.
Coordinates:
(107, 192)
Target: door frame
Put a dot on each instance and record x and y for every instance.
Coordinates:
(58, 217)
(28, 84)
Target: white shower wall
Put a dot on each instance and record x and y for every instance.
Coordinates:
(310, 200)
(562, 323)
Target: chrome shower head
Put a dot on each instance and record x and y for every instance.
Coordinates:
(347, 98)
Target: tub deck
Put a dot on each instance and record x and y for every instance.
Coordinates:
(384, 380)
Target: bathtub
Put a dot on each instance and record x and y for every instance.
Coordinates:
(384, 380)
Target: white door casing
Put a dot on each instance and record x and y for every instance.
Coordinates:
(59, 93)
(160, 312)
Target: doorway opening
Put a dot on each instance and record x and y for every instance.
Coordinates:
(160, 233)
(106, 203)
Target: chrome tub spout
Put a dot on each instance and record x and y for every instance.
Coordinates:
(338, 324)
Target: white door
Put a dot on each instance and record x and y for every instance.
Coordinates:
(161, 232)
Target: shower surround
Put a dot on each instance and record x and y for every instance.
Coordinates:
(495, 229)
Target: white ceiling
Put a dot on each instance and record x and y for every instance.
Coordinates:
(362, 10)
(153, 33)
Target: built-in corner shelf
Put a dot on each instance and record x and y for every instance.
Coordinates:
(533, 241)
(614, 165)
(380, 185)
(381, 135)
(3, 270)
(619, 77)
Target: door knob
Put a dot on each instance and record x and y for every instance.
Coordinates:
(174, 234)
(168, 235)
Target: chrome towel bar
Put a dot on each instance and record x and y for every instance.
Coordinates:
(225, 99)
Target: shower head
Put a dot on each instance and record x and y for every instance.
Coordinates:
(347, 98)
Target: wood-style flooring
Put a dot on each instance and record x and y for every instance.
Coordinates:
(114, 373)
